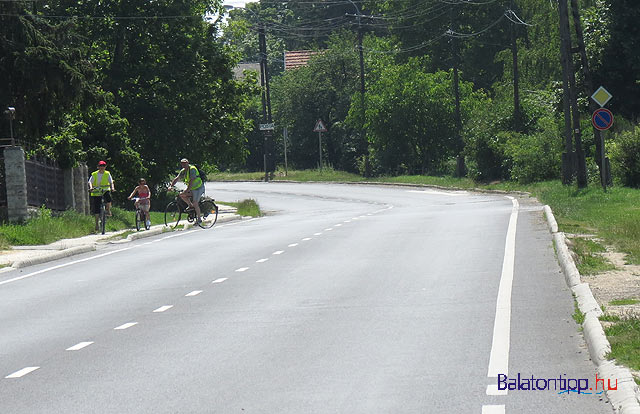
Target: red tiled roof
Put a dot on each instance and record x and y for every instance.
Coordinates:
(296, 58)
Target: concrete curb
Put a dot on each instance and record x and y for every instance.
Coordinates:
(625, 399)
(18, 264)
(59, 254)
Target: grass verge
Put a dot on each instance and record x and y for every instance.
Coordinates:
(624, 337)
(589, 261)
(248, 207)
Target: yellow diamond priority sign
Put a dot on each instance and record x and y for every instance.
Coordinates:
(601, 96)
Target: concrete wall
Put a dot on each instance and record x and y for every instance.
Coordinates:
(16, 182)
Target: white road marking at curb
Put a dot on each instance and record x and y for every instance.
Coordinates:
(63, 265)
(242, 269)
(293, 245)
(163, 308)
(194, 293)
(79, 346)
(125, 326)
(492, 389)
(222, 279)
(461, 193)
(22, 372)
(499, 359)
(306, 239)
(261, 260)
(493, 409)
(278, 252)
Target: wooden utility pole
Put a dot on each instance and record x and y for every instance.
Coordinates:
(460, 165)
(571, 162)
(588, 83)
(517, 113)
(266, 102)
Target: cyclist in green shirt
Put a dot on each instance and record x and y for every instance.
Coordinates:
(195, 187)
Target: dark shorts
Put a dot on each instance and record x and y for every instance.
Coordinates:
(95, 202)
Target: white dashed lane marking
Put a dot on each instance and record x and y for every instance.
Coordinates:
(492, 389)
(317, 234)
(125, 326)
(220, 280)
(293, 245)
(493, 409)
(306, 239)
(194, 293)
(22, 372)
(278, 252)
(163, 308)
(242, 269)
(261, 260)
(79, 346)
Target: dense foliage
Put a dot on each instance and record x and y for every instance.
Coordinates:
(142, 84)
(137, 84)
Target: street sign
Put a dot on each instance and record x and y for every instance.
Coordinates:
(601, 96)
(320, 126)
(267, 127)
(602, 119)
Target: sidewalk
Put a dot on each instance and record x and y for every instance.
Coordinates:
(23, 256)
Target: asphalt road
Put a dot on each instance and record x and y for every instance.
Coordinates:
(343, 299)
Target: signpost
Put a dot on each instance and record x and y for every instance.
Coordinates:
(602, 119)
(320, 128)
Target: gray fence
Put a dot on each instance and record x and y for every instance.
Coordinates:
(45, 184)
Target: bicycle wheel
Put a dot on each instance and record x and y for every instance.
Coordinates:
(172, 215)
(103, 219)
(138, 219)
(209, 214)
(147, 223)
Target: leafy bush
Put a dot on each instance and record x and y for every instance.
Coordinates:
(625, 157)
(535, 157)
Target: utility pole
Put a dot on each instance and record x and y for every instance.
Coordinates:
(588, 83)
(266, 102)
(363, 141)
(460, 166)
(517, 114)
(568, 157)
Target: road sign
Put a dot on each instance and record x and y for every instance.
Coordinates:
(320, 126)
(267, 127)
(602, 119)
(601, 96)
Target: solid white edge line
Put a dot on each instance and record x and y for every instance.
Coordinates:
(63, 265)
(220, 280)
(499, 358)
(22, 372)
(79, 346)
(493, 409)
(163, 308)
(194, 293)
(492, 389)
(125, 326)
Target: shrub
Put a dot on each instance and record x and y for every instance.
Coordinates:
(625, 157)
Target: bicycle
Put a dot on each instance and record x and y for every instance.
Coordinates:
(208, 212)
(140, 216)
(102, 217)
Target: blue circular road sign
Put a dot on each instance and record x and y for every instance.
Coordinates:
(602, 119)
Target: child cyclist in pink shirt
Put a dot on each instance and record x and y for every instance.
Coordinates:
(144, 198)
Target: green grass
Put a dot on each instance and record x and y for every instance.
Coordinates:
(620, 302)
(247, 207)
(624, 337)
(578, 316)
(610, 318)
(589, 262)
